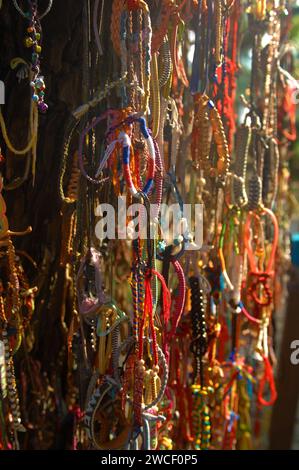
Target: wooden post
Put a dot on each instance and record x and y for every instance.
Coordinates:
(285, 408)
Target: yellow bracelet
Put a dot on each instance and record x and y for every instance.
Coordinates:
(33, 122)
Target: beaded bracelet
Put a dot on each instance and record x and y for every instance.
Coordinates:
(129, 343)
(33, 40)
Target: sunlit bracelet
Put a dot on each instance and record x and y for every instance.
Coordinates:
(126, 159)
(128, 344)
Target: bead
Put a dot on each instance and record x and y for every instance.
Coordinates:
(178, 240)
(40, 83)
(28, 42)
(43, 107)
(161, 245)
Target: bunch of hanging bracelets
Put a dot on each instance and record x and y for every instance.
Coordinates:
(144, 319)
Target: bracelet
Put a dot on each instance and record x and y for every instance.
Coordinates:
(104, 398)
(129, 343)
(26, 14)
(126, 159)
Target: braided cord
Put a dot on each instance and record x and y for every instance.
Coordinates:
(33, 119)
